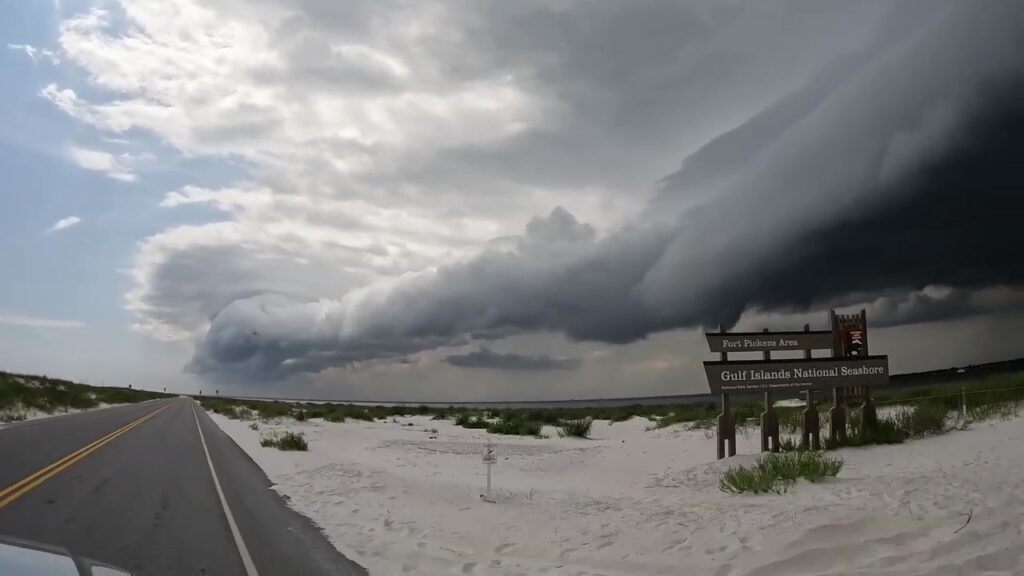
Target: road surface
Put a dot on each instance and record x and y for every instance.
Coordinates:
(132, 486)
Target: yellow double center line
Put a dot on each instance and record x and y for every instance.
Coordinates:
(14, 491)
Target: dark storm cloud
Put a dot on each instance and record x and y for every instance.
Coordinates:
(900, 309)
(956, 223)
(487, 358)
(893, 171)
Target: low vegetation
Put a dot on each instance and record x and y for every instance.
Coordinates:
(515, 426)
(776, 472)
(285, 441)
(921, 417)
(20, 393)
(925, 418)
(467, 420)
(576, 427)
(922, 410)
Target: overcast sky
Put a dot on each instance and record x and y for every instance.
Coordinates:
(463, 200)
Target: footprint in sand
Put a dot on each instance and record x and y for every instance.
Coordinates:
(469, 567)
(504, 548)
(677, 546)
(715, 550)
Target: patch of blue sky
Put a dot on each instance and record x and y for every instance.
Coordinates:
(41, 184)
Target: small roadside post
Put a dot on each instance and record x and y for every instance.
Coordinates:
(490, 458)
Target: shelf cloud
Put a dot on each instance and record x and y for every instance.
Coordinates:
(413, 192)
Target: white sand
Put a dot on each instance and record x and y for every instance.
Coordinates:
(400, 501)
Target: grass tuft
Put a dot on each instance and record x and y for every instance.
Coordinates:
(286, 441)
(576, 428)
(776, 472)
(515, 426)
(467, 420)
(754, 480)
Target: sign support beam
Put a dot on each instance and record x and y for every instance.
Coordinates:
(726, 426)
(837, 416)
(769, 419)
(812, 424)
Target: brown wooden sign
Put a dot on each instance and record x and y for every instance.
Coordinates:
(769, 341)
(741, 376)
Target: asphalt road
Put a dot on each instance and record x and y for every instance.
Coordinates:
(144, 499)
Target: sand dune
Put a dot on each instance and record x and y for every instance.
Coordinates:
(405, 500)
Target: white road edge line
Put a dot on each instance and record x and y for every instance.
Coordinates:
(250, 568)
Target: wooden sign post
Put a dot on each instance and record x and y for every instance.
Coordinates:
(811, 438)
(769, 419)
(837, 416)
(726, 425)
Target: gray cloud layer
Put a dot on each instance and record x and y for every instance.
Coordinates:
(894, 169)
(487, 358)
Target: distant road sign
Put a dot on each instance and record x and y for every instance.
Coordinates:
(768, 341)
(795, 375)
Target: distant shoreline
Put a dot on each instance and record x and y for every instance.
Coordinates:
(943, 376)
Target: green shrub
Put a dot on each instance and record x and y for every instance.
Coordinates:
(775, 472)
(668, 420)
(755, 480)
(809, 465)
(624, 414)
(228, 410)
(577, 428)
(357, 414)
(987, 411)
(930, 418)
(703, 424)
(286, 441)
(467, 420)
(300, 415)
(923, 419)
(789, 445)
(271, 410)
(791, 420)
(517, 427)
(12, 415)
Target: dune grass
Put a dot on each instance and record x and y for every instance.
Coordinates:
(285, 441)
(515, 426)
(776, 472)
(984, 402)
(20, 393)
(576, 427)
(467, 420)
(921, 419)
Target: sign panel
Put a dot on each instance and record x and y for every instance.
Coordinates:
(853, 341)
(490, 456)
(762, 341)
(795, 375)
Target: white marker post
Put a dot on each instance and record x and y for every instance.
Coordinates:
(489, 458)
